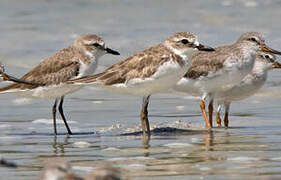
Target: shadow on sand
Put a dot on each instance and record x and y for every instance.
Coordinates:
(165, 131)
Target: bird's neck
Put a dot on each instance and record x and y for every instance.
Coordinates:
(185, 56)
(261, 69)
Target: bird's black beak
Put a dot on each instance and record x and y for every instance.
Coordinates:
(267, 49)
(276, 65)
(201, 47)
(111, 51)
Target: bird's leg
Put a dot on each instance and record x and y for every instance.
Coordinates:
(62, 115)
(211, 109)
(218, 118)
(202, 106)
(226, 122)
(54, 116)
(144, 117)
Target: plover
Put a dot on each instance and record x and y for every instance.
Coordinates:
(251, 83)
(150, 71)
(77, 60)
(58, 169)
(222, 69)
(104, 173)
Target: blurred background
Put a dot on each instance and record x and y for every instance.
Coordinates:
(33, 30)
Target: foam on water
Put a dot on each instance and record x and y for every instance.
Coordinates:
(204, 168)
(276, 159)
(111, 149)
(251, 4)
(243, 158)
(177, 145)
(190, 97)
(97, 102)
(50, 121)
(130, 158)
(5, 126)
(82, 168)
(132, 166)
(81, 144)
(22, 101)
(180, 108)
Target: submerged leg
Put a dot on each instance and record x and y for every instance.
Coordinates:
(227, 105)
(218, 118)
(144, 117)
(62, 115)
(211, 109)
(54, 116)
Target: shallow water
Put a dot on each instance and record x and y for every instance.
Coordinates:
(33, 30)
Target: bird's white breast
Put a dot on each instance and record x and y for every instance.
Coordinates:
(164, 78)
(247, 87)
(87, 68)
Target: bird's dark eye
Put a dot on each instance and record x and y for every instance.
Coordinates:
(184, 41)
(270, 58)
(267, 56)
(96, 44)
(253, 39)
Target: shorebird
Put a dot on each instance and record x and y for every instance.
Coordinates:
(47, 79)
(58, 169)
(104, 173)
(211, 72)
(147, 72)
(251, 83)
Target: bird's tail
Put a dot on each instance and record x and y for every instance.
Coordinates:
(9, 87)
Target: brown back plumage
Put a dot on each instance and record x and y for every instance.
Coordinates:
(141, 65)
(204, 63)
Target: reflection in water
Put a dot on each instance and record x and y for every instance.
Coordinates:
(208, 140)
(59, 148)
(145, 141)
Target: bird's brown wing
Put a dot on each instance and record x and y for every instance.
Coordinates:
(141, 65)
(209, 62)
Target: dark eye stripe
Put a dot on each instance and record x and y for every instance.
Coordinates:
(96, 44)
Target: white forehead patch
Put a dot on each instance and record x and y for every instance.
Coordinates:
(102, 43)
(270, 56)
(196, 42)
(91, 42)
(88, 42)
